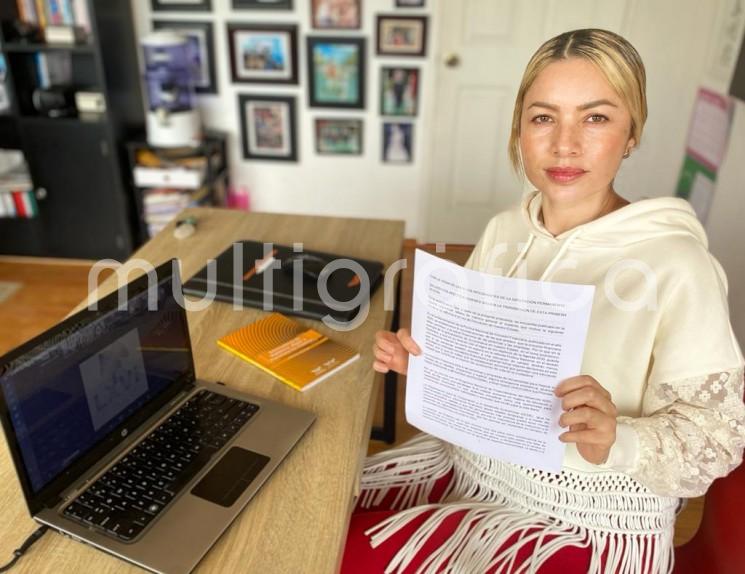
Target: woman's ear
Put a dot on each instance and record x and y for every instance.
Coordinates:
(631, 144)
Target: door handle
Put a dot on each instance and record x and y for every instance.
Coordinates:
(452, 60)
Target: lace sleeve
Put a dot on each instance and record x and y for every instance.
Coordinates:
(692, 431)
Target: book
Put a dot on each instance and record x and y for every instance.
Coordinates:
(81, 16)
(297, 356)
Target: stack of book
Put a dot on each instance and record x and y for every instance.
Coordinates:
(161, 205)
(63, 21)
(17, 198)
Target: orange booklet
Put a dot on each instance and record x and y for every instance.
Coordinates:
(296, 355)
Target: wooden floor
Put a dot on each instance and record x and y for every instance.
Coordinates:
(49, 289)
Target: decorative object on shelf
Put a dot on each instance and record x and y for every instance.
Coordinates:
(262, 4)
(338, 136)
(202, 38)
(263, 53)
(401, 35)
(410, 3)
(54, 101)
(398, 142)
(171, 68)
(399, 91)
(90, 102)
(181, 5)
(336, 72)
(336, 14)
(268, 127)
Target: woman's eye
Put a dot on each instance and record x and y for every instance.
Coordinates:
(541, 119)
(597, 118)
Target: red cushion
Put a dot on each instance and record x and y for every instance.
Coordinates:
(719, 545)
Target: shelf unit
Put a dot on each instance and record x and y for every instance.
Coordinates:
(216, 177)
(78, 165)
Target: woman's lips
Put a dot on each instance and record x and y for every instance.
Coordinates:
(565, 174)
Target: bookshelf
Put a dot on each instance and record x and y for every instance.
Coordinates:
(78, 163)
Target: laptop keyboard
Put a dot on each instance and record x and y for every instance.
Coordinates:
(125, 499)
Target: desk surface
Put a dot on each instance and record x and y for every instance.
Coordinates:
(298, 520)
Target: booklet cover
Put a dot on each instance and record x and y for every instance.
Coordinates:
(296, 355)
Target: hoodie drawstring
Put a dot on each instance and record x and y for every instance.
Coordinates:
(560, 253)
(554, 260)
(521, 255)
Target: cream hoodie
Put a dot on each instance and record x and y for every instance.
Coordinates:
(659, 340)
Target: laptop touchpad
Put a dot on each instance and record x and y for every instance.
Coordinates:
(230, 476)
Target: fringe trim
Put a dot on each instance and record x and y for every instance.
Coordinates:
(494, 510)
(413, 468)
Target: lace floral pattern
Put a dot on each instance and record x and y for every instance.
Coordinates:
(690, 433)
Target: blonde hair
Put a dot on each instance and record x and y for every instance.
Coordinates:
(616, 58)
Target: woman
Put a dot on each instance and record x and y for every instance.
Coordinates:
(657, 413)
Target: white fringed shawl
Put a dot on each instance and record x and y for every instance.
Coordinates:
(607, 511)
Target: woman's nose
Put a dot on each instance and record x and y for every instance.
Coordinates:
(566, 141)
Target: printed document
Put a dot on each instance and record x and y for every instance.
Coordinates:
(493, 350)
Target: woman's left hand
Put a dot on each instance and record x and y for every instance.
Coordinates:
(590, 415)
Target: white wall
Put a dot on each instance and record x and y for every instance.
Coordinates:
(360, 186)
(726, 222)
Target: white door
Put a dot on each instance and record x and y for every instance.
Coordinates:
(482, 50)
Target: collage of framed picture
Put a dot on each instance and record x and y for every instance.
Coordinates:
(268, 53)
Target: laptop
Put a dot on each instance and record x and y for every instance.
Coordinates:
(257, 275)
(117, 444)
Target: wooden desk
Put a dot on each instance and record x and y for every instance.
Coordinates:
(297, 523)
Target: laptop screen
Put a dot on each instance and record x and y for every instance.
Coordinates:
(77, 388)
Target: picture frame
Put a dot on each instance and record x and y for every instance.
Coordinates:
(181, 5)
(339, 136)
(336, 14)
(398, 142)
(262, 4)
(263, 53)
(201, 33)
(401, 35)
(268, 127)
(399, 91)
(336, 72)
(410, 3)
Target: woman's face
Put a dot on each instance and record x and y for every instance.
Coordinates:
(574, 131)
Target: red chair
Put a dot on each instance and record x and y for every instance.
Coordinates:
(719, 545)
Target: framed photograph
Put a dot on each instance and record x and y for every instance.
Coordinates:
(262, 4)
(336, 14)
(402, 35)
(398, 142)
(181, 5)
(399, 91)
(263, 53)
(336, 72)
(338, 136)
(268, 127)
(201, 36)
(410, 3)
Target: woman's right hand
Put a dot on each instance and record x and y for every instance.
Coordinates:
(392, 351)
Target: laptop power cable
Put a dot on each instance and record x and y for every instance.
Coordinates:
(18, 552)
